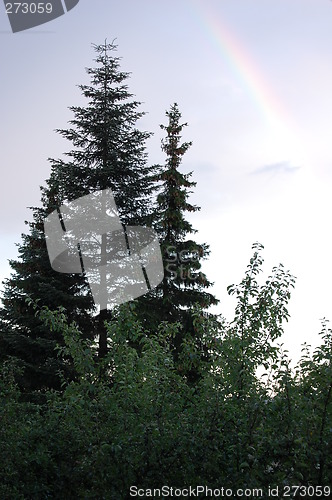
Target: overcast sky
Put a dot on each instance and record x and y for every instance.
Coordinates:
(252, 78)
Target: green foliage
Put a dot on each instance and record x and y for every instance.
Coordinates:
(107, 151)
(132, 418)
(184, 286)
(259, 315)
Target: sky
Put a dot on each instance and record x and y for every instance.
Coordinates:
(252, 79)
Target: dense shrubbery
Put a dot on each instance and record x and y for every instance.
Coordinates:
(133, 418)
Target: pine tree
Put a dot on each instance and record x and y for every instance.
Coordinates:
(108, 151)
(184, 285)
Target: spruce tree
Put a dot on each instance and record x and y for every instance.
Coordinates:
(108, 151)
(184, 285)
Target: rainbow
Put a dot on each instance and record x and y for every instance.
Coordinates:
(242, 64)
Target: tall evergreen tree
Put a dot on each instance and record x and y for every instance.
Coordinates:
(184, 285)
(108, 151)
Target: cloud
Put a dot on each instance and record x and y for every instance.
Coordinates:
(282, 167)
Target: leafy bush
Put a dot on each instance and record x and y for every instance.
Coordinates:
(132, 418)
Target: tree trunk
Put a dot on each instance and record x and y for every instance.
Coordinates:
(102, 333)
